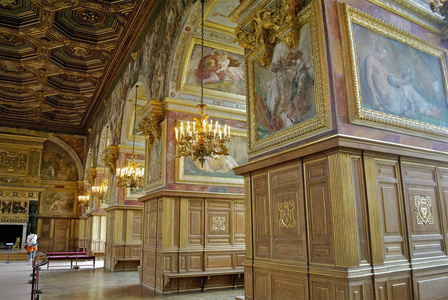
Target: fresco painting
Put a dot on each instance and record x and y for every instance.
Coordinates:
(221, 167)
(398, 79)
(219, 14)
(284, 92)
(57, 164)
(155, 162)
(57, 202)
(223, 70)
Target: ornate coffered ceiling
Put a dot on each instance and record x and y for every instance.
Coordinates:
(56, 57)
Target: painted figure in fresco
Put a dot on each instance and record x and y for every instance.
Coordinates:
(223, 164)
(229, 66)
(389, 93)
(218, 67)
(61, 204)
(210, 65)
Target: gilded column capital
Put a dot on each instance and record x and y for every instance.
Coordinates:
(91, 176)
(110, 157)
(267, 26)
(150, 123)
(80, 187)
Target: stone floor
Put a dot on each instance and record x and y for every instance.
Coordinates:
(61, 282)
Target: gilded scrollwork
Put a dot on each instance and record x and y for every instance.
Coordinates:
(110, 157)
(265, 25)
(91, 176)
(151, 125)
(13, 161)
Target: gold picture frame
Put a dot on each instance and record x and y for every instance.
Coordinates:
(190, 61)
(263, 136)
(56, 201)
(417, 77)
(189, 172)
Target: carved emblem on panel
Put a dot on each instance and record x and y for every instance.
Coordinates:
(423, 210)
(219, 223)
(89, 16)
(79, 51)
(14, 207)
(12, 161)
(286, 213)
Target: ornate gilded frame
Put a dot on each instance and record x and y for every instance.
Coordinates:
(181, 177)
(184, 87)
(312, 15)
(373, 118)
(54, 187)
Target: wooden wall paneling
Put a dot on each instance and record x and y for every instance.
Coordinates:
(195, 223)
(319, 219)
(61, 235)
(289, 286)
(343, 212)
(261, 216)
(238, 228)
(442, 177)
(248, 226)
(423, 211)
(151, 222)
(218, 223)
(288, 214)
(262, 284)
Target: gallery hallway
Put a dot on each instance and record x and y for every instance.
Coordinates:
(61, 282)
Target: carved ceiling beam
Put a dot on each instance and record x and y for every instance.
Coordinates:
(52, 6)
(110, 157)
(113, 8)
(275, 22)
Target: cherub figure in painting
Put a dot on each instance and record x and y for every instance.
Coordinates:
(389, 93)
(218, 67)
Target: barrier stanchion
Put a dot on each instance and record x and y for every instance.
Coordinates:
(35, 292)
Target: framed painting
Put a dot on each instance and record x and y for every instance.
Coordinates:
(396, 81)
(289, 99)
(155, 169)
(58, 202)
(216, 171)
(223, 72)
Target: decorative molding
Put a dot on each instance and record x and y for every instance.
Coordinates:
(13, 161)
(91, 176)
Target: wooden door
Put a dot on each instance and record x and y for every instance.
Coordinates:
(61, 235)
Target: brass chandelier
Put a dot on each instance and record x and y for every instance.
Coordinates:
(84, 200)
(201, 139)
(100, 190)
(131, 176)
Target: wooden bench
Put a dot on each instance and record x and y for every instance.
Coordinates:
(71, 258)
(205, 276)
(64, 253)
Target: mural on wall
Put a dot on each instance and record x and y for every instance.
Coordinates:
(76, 142)
(158, 45)
(284, 93)
(57, 164)
(155, 161)
(398, 79)
(57, 202)
(217, 171)
(223, 73)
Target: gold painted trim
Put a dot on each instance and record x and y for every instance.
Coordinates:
(413, 13)
(193, 179)
(183, 87)
(359, 115)
(311, 15)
